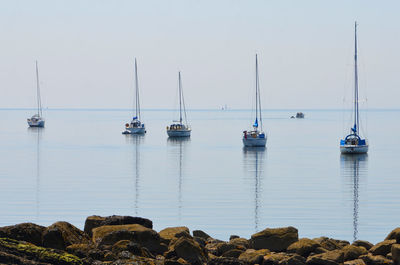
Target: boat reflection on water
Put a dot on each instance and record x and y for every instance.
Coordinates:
(36, 133)
(176, 150)
(136, 140)
(254, 158)
(354, 167)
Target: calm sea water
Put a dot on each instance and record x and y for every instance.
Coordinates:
(81, 164)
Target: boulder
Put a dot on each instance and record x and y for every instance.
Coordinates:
(328, 243)
(352, 252)
(273, 258)
(226, 261)
(243, 242)
(175, 262)
(171, 233)
(329, 258)
(355, 262)
(27, 232)
(382, 248)
(62, 234)
(145, 237)
(26, 253)
(233, 237)
(303, 247)
(396, 254)
(96, 221)
(293, 259)
(394, 234)
(362, 243)
(201, 234)
(79, 250)
(274, 239)
(189, 250)
(370, 259)
(200, 241)
(121, 245)
(233, 253)
(252, 256)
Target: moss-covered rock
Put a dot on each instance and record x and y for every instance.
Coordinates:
(332, 257)
(355, 262)
(62, 234)
(274, 239)
(189, 250)
(202, 234)
(97, 221)
(226, 261)
(382, 248)
(363, 243)
(145, 237)
(34, 253)
(79, 250)
(370, 259)
(329, 243)
(171, 233)
(352, 252)
(252, 256)
(395, 251)
(238, 241)
(303, 247)
(28, 232)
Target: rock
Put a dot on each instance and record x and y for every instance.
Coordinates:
(171, 233)
(396, 254)
(226, 261)
(233, 253)
(362, 243)
(121, 245)
(352, 252)
(355, 262)
(329, 258)
(201, 234)
(370, 259)
(293, 259)
(395, 234)
(62, 234)
(252, 256)
(274, 239)
(96, 221)
(243, 242)
(233, 237)
(124, 255)
(382, 248)
(79, 250)
(145, 237)
(328, 243)
(175, 262)
(109, 256)
(221, 248)
(28, 232)
(200, 241)
(303, 247)
(20, 251)
(273, 258)
(189, 250)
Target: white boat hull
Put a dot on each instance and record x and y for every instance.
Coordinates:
(141, 130)
(39, 124)
(178, 133)
(254, 142)
(354, 149)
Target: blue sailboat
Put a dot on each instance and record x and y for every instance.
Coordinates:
(255, 137)
(353, 143)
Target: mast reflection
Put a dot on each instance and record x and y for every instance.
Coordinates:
(178, 153)
(254, 163)
(136, 140)
(36, 133)
(353, 167)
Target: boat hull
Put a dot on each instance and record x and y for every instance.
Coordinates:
(141, 130)
(254, 142)
(178, 133)
(354, 149)
(39, 124)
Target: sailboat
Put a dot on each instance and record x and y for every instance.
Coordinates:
(353, 143)
(135, 126)
(255, 137)
(178, 128)
(37, 119)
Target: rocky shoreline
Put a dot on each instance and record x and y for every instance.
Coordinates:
(132, 240)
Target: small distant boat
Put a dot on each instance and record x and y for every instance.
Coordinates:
(135, 126)
(178, 128)
(353, 143)
(256, 137)
(300, 115)
(37, 119)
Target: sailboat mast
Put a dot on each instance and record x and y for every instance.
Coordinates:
(256, 122)
(137, 103)
(180, 97)
(356, 118)
(39, 103)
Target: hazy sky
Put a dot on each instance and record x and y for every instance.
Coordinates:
(86, 48)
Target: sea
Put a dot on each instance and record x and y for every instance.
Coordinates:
(81, 164)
